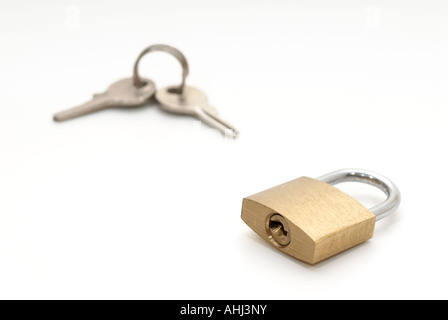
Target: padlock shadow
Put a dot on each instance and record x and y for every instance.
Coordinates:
(385, 226)
(322, 264)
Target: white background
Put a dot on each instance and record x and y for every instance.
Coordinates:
(140, 204)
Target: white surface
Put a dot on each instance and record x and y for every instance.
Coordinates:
(141, 204)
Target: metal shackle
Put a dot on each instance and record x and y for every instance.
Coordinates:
(381, 210)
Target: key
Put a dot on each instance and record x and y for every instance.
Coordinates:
(122, 93)
(193, 102)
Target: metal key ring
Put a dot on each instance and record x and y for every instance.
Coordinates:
(138, 82)
(381, 210)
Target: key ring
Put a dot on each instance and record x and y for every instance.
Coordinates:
(138, 82)
(381, 210)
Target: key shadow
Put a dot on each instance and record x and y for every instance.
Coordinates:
(151, 103)
(171, 116)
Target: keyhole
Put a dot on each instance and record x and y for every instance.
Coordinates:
(278, 230)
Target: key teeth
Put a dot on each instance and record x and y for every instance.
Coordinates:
(57, 118)
(231, 133)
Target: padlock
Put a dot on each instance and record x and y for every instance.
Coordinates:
(311, 220)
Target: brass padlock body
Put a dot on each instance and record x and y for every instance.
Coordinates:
(320, 220)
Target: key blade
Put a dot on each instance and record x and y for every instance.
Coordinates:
(97, 103)
(121, 93)
(214, 121)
